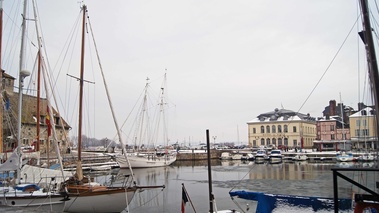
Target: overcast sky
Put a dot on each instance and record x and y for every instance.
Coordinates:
(227, 61)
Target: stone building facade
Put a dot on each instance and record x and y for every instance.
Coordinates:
(29, 120)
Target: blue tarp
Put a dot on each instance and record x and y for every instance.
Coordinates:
(24, 187)
(268, 202)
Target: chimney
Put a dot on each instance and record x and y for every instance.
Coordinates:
(332, 107)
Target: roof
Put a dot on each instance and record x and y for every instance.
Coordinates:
(368, 111)
(282, 115)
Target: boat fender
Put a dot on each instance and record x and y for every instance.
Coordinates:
(361, 207)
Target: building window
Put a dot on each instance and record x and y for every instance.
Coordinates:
(358, 123)
(273, 128)
(274, 141)
(280, 128)
(262, 142)
(279, 141)
(332, 127)
(268, 129)
(295, 143)
(332, 137)
(294, 129)
(57, 120)
(254, 143)
(285, 128)
(254, 131)
(268, 141)
(366, 132)
(285, 141)
(262, 129)
(364, 122)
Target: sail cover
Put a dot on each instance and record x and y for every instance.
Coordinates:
(12, 163)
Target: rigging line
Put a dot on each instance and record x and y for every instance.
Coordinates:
(330, 64)
(110, 102)
(243, 177)
(376, 6)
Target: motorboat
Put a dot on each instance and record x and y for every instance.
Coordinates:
(300, 157)
(276, 156)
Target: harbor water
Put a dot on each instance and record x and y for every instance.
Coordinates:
(294, 178)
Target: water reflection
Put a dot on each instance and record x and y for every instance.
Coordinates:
(295, 178)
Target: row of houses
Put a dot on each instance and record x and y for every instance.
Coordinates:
(340, 128)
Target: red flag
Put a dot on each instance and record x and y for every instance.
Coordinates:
(47, 120)
(184, 199)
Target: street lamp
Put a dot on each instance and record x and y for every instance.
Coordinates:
(214, 140)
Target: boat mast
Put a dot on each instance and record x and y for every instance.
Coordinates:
(1, 78)
(22, 74)
(371, 57)
(211, 196)
(79, 171)
(343, 124)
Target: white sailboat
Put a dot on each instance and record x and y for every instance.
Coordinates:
(146, 136)
(31, 188)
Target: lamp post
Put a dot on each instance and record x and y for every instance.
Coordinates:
(214, 140)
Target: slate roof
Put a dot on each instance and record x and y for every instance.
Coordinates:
(282, 115)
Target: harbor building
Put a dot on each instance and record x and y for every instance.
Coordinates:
(282, 128)
(363, 129)
(333, 132)
(28, 120)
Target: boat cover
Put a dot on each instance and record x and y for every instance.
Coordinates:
(268, 202)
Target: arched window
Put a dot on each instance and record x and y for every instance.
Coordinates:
(279, 141)
(262, 129)
(273, 128)
(274, 141)
(268, 129)
(285, 128)
(262, 142)
(279, 128)
(268, 141)
(285, 141)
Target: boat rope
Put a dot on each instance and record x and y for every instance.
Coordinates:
(233, 200)
(243, 177)
(148, 201)
(110, 101)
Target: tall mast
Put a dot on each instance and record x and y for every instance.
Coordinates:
(1, 77)
(22, 74)
(79, 171)
(371, 57)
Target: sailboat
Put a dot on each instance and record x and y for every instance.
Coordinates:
(147, 134)
(31, 188)
(86, 195)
